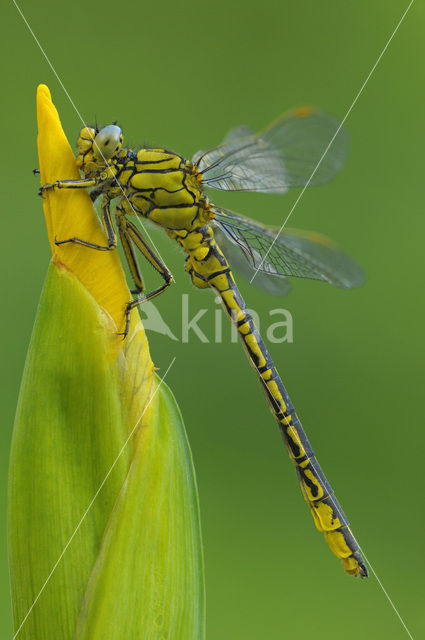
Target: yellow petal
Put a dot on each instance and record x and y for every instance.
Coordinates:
(70, 213)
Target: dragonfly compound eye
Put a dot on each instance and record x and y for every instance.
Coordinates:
(107, 142)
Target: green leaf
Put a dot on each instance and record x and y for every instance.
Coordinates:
(132, 557)
(156, 546)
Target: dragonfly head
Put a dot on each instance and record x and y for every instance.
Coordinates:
(97, 148)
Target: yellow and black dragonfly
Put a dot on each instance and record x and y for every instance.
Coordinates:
(169, 190)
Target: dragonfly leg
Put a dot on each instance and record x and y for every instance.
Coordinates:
(107, 223)
(130, 234)
(69, 184)
(131, 257)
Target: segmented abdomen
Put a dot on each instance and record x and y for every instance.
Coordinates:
(325, 508)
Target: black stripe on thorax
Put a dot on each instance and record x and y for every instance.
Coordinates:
(173, 170)
(154, 161)
(155, 189)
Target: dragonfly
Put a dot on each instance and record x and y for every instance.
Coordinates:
(170, 191)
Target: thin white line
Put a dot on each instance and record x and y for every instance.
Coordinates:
(386, 594)
(333, 500)
(82, 120)
(337, 506)
(91, 503)
(48, 61)
(280, 231)
(333, 138)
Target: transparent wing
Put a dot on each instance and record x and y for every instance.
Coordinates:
(234, 134)
(237, 133)
(284, 155)
(293, 253)
(274, 284)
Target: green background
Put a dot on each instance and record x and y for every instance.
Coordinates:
(180, 75)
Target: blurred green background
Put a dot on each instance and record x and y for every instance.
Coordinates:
(180, 75)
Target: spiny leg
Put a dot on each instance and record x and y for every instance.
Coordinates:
(131, 257)
(107, 223)
(106, 212)
(130, 234)
(86, 183)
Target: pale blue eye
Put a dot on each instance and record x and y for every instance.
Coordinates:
(107, 142)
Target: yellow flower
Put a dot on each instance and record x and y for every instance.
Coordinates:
(103, 521)
(70, 213)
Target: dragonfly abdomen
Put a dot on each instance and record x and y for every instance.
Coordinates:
(325, 508)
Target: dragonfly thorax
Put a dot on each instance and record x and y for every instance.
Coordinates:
(162, 186)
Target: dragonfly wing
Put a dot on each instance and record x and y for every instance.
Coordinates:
(237, 133)
(291, 253)
(292, 152)
(234, 134)
(274, 284)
